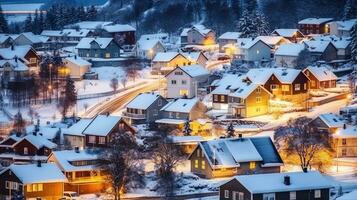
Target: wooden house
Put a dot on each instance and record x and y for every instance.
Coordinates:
(252, 50)
(123, 34)
(196, 58)
(197, 35)
(6, 144)
(165, 62)
(321, 50)
(32, 181)
(33, 145)
(294, 35)
(6, 40)
(73, 136)
(235, 156)
(287, 54)
(328, 122)
(97, 47)
(320, 77)
(345, 141)
(148, 48)
(227, 38)
(28, 38)
(277, 186)
(314, 26)
(76, 67)
(25, 54)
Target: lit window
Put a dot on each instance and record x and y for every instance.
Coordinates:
(107, 55)
(259, 90)
(241, 196)
(92, 139)
(101, 140)
(313, 83)
(33, 60)
(203, 164)
(39, 187)
(226, 193)
(183, 92)
(252, 165)
(29, 188)
(317, 194)
(285, 88)
(87, 55)
(258, 52)
(196, 163)
(26, 151)
(222, 98)
(257, 110)
(292, 195)
(305, 86)
(273, 86)
(258, 99)
(297, 87)
(344, 152)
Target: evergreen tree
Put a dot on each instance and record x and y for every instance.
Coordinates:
(3, 23)
(28, 23)
(70, 97)
(50, 21)
(247, 26)
(354, 43)
(261, 23)
(81, 14)
(236, 9)
(41, 21)
(36, 23)
(250, 5)
(187, 129)
(92, 13)
(230, 130)
(350, 10)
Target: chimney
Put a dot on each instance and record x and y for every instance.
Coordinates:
(16, 59)
(344, 126)
(75, 57)
(107, 114)
(39, 163)
(12, 47)
(287, 180)
(240, 136)
(76, 149)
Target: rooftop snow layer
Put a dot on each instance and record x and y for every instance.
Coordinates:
(165, 56)
(38, 141)
(348, 132)
(85, 43)
(91, 24)
(272, 40)
(290, 49)
(317, 46)
(146, 45)
(286, 32)
(143, 101)
(118, 28)
(16, 65)
(195, 70)
(65, 157)
(18, 51)
(230, 35)
(315, 20)
(78, 61)
(77, 128)
(180, 105)
(322, 73)
(101, 125)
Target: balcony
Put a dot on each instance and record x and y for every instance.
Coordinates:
(87, 179)
(134, 115)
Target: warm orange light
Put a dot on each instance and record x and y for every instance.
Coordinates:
(208, 41)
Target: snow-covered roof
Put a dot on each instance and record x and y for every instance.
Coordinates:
(317, 46)
(348, 196)
(78, 61)
(199, 27)
(230, 152)
(4, 37)
(143, 100)
(315, 20)
(52, 33)
(65, 157)
(147, 44)
(16, 65)
(118, 28)
(286, 32)
(332, 120)
(247, 43)
(31, 173)
(32, 37)
(322, 73)
(346, 25)
(47, 132)
(348, 132)
(85, 42)
(290, 49)
(101, 125)
(185, 139)
(12, 137)
(165, 56)
(274, 182)
(261, 75)
(227, 83)
(195, 70)
(272, 40)
(180, 105)
(91, 24)
(38, 141)
(18, 51)
(244, 89)
(338, 42)
(170, 121)
(230, 35)
(192, 56)
(66, 32)
(77, 128)
(159, 36)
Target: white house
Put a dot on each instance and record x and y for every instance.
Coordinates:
(77, 67)
(197, 35)
(227, 38)
(342, 28)
(184, 81)
(148, 48)
(291, 34)
(287, 54)
(196, 57)
(251, 50)
(273, 41)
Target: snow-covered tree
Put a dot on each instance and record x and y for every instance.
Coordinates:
(350, 10)
(246, 25)
(230, 130)
(262, 24)
(114, 83)
(3, 23)
(92, 13)
(354, 43)
(70, 97)
(250, 5)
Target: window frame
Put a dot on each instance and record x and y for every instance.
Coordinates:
(317, 193)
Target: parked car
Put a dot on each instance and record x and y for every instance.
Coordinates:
(70, 195)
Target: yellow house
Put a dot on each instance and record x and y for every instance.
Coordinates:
(345, 141)
(165, 62)
(75, 67)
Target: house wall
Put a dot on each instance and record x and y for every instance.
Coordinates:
(96, 52)
(255, 108)
(220, 101)
(76, 71)
(285, 61)
(304, 194)
(32, 150)
(33, 66)
(73, 141)
(195, 37)
(145, 54)
(330, 53)
(8, 176)
(87, 188)
(51, 191)
(165, 67)
(345, 147)
(223, 42)
(258, 52)
(233, 186)
(307, 29)
(314, 83)
(153, 112)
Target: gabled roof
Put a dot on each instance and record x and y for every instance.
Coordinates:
(38, 141)
(65, 157)
(85, 43)
(322, 73)
(193, 70)
(31, 173)
(274, 182)
(315, 20)
(230, 35)
(16, 65)
(247, 43)
(78, 128)
(18, 51)
(317, 46)
(227, 83)
(332, 120)
(91, 24)
(284, 75)
(118, 28)
(101, 125)
(180, 105)
(286, 32)
(11, 137)
(30, 36)
(4, 37)
(147, 44)
(47, 132)
(143, 101)
(346, 25)
(349, 132)
(78, 61)
(165, 56)
(244, 89)
(66, 32)
(291, 49)
(199, 27)
(272, 40)
(338, 42)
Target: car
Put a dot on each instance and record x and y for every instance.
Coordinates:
(70, 195)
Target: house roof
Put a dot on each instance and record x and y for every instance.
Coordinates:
(346, 25)
(227, 83)
(32, 37)
(47, 132)
(199, 27)
(66, 32)
(244, 89)
(272, 40)
(195, 70)
(101, 125)
(291, 49)
(165, 56)
(31, 173)
(77, 128)
(332, 120)
(338, 42)
(315, 20)
(12, 137)
(317, 46)
(78, 61)
(287, 32)
(247, 43)
(322, 73)
(4, 37)
(348, 196)
(118, 28)
(65, 157)
(38, 141)
(274, 182)
(348, 132)
(18, 51)
(147, 44)
(230, 152)
(180, 105)
(193, 56)
(16, 65)
(143, 100)
(230, 35)
(85, 42)
(261, 75)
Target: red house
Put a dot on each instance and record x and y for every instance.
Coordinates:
(314, 25)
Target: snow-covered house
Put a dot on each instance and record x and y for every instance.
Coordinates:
(98, 48)
(33, 145)
(6, 144)
(294, 35)
(25, 53)
(227, 38)
(32, 181)
(13, 69)
(274, 41)
(235, 156)
(196, 57)
(6, 41)
(164, 62)
(314, 26)
(67, 35)
(342, 28)
(186, 144)
(277, 186)
(184, 81)
(81, 169)
(148, 48)
(320, 77)
(163, 37)
(76, 67)
(345, 141)
(197, 35)
(28, 38)
(102, 128)
(321, 50)
(144, 108)
(73, 136)
(287, 54)
(123, 34)
(252, 50)
(342, 44)
(327, 122)
(177, 112)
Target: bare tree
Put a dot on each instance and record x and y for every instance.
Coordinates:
(124, 81)
(19, 123)
(121, 163)
(85, 106)
(114, 84)
(133, 73)
(300, 144)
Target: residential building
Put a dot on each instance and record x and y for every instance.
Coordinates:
(66, 37)
(314, 26)
(294, 35)
(144, 108)
(73, 136)
(91, 48)
(321, 50)
(234, 156)
(274, 41)
(186, 144)
(196, 57)
(184, 81)
(26, 54)
(277, 186)
(227, 38)
(28, 38)
(6, 144)
(320, 77)
(165, 62)
(13, 69)
(123, 34)
(345, 141)
(6, 40)
(148, 48)
(342, 28)
(252, 50)
(90, 25)
(328, 122)
(33, 145)
(32, 181)
(197, 35)
(287, 54)
(76, 67)
(342, 44)
(82, 170)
